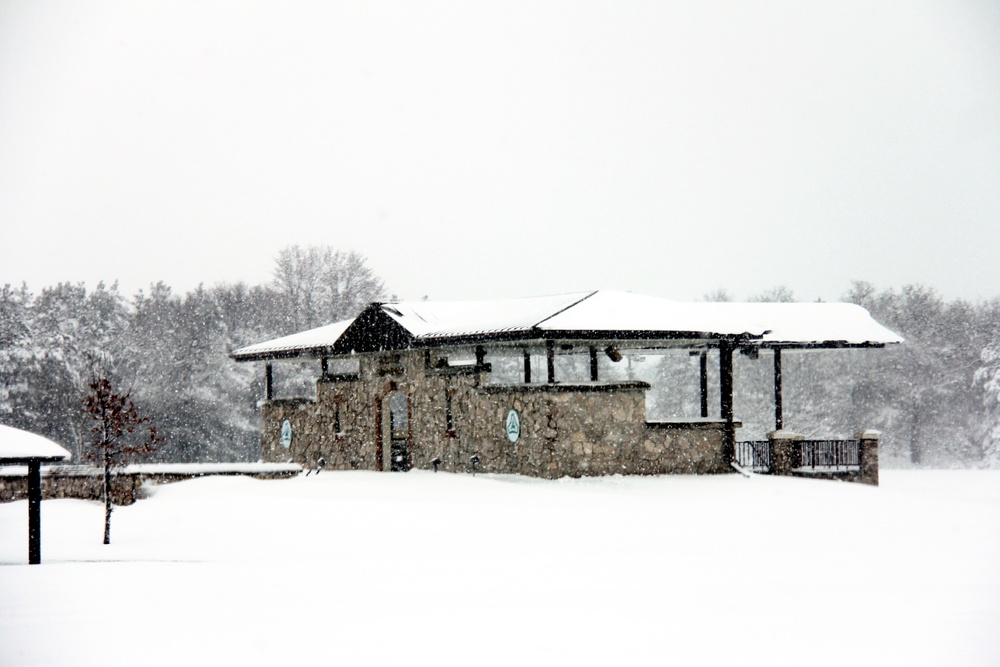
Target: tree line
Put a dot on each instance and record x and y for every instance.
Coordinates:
(170, 351)
(936, 398)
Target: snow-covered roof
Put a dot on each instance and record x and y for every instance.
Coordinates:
(604, 315)
(772, 323)
(439, 319)
(304, 342)
(17, 446)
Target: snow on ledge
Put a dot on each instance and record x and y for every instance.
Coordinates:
(210, 468)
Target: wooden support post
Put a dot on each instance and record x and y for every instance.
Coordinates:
(34, 512)
(324, 366)
(550, 360)
(779, 420)
(480, 356)
(268, 382)
(527, 366)
(703, 379)
(593, 364)
(726, 398)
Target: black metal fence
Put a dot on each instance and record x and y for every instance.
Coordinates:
(815, 455)
(754, 455)
(831, 455)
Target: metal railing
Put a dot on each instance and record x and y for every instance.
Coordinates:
(754, 455)
(831, 455)
(814, 455)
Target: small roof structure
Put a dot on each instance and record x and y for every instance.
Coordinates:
(19, 447)
(599, 315)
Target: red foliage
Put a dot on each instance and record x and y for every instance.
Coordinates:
(116, 420)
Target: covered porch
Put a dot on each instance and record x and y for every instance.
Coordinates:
(587, 365)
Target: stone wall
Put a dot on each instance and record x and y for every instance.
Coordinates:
(72, 484)
(566, 429)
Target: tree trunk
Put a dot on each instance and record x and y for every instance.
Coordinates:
(107, 498)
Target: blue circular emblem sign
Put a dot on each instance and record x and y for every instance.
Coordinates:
(513, 425)
(286, 434)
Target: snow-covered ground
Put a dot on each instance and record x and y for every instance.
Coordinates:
(441, 569)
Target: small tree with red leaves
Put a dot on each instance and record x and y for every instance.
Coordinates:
(120, 433)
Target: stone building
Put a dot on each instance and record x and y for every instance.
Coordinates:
(531, 386)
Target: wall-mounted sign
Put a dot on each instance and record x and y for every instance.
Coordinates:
(286, 434)
(513, 425)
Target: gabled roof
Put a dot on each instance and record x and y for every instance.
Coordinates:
(602, 315)
(446, 319)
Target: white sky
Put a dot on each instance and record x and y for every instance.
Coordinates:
(479, 150)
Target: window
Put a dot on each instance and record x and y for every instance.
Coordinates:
(449, 419)
(399, 417)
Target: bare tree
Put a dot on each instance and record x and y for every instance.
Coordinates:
(320, 285)
(114, 442)
(717, 295)
(779, 294)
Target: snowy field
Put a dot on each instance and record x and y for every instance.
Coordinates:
(378, 569)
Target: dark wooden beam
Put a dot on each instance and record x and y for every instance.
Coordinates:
(268, 382)
(703, 381)
(550, 360)
(527, 366)
(537, 335)
(34, 512)
(593, 364)
(779, 420)
(726, 398)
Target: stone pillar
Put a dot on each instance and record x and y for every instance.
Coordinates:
(869, 456)
(786, 451)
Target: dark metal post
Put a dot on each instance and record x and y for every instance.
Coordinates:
(527, 366)
(779, 421)
(550, 360)
(703, 378)
(268, 382)
(726, 398)
(34, 512)
(593, 364)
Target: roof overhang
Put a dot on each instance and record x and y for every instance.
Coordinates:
(611, 317)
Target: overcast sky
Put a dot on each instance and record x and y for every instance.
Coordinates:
(479, 150)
